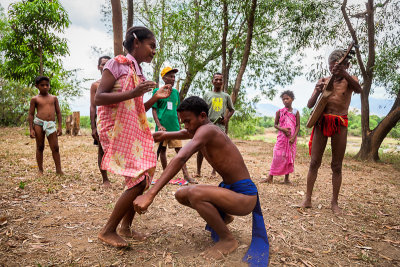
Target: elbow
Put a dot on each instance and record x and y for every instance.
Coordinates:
(97, 101)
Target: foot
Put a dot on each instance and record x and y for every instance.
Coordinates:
(213, 174)
(288, 182)
(335, 209)
(106, 184)
(60, 173)
(40, 173)
(267, 180)
(132, 234)
(191, 180)
(197, 175)
(228, 219)
(221, 248)
(306, 204)
(113, 239)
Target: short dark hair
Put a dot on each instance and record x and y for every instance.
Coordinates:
(194, 104)
(336, 55)
(41, 78)
(217, 73)
(139, 32)
(100, 58)
(288, 93)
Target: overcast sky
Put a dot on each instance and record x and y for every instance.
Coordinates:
(87, 30)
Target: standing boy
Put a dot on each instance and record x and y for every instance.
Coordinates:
(93, 116)
(166, 119)
(236, 195)
(218, 102)
(333, 123)
(43, 123)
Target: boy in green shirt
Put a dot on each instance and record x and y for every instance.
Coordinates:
(166, 119)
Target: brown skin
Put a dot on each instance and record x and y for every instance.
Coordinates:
(217, 82)
(142, 51)
(93, 111)
(47, 108)
(287, 101)
(169, 78)
(213, 144)
(338, 104)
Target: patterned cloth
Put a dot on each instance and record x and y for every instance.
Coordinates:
(49, 127)
(258, 252)
(284, 152)
(329, 125)
(124, 133)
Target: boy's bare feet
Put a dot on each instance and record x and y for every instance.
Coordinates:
(221, 248)
(113, 239)
(335, 209)
(228, 219)
(132, 234)
(305, 204)
(191, 180)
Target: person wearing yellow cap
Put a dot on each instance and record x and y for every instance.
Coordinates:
(166, 118)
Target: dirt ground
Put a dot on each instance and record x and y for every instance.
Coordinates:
(54, 220)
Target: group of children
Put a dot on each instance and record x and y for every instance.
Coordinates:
(126, 145)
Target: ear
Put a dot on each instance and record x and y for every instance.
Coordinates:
(203, 115)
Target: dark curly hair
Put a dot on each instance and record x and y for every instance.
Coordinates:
(139, 32)
(41, 78)
(193, 104)
(288, 93)
(100, 58)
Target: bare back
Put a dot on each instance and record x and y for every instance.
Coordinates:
(339, 100)
(46, 107)
(222, 154)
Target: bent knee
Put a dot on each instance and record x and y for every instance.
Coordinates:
(195, 194)
(181, 195)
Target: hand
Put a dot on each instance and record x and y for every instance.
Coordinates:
(143, 87)
(95, 135)
(224, 121)
(291, 140)
(161, 128)
(59, 131)
(320, 85)
(141, 203)
(32, 133)
(339, 70)
(286, 131)
(164, 92)
(158, 136)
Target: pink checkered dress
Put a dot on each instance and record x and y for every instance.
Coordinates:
(125, 134)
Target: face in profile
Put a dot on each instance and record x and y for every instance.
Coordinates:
(102, 63)
(192, 121)
(43, 86)
(146, 49)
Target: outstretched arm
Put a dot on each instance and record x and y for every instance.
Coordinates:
(163, 92)
(179, 135)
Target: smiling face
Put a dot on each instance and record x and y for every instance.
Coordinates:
(145, 50)
(217, 81)
(43, 86)
(192, 121)
(287, 101)
(169, 78)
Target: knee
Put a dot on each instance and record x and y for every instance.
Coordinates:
(40, 148)
(181, 195)
(194, 195)
(315, 164)
(336, 167)
(55, 149)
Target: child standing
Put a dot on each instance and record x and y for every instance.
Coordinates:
(43, 123)
(287, 122)
(123, 129)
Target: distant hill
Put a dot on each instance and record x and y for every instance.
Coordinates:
(266, 109)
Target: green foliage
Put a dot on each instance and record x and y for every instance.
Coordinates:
(304, 130)
(85, 122)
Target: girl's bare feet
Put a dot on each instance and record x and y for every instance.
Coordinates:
(132, 234)
(221, 248)
(267, 180)
(113, 239)
(306, 203)
(335, 209)
(107, 184)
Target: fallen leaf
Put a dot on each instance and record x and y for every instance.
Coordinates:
(69, 245)
(37, 236)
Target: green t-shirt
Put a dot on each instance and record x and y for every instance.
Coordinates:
(217, 103)
(166, 111)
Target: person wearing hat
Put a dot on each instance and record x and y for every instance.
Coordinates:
(166, 118)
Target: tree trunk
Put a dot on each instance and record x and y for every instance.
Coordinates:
(76, 122)
(246, 54)
(117, 26)
(223, 45)
(68, 125)
(129, 21)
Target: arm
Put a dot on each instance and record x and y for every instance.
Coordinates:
(93, 90)
(156, 120)
(341, 71)
(354, 84)
(230, 112)
(286, 131)
(104, 96)
(296, 132)
(161, 93)
(58, 113)
(31, 114)
(317, 91)
(179, 135)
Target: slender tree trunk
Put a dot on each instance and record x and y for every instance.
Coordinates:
(117, 26)
(246, 54)
(129, 21)
(223, 45)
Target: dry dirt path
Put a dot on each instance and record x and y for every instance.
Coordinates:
(54, 220)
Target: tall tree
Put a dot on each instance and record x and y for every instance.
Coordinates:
(129, 21)
(117, 27)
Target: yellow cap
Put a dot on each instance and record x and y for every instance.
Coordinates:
(166, 70)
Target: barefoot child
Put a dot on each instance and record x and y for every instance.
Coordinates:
(236, 195)
(93, 115)
(43, 123)
(123, 129)
(287, 122)
(333, 123)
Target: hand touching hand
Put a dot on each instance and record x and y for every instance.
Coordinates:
(143, 87)
(164, 91)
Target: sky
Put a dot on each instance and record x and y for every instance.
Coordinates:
(87, 30)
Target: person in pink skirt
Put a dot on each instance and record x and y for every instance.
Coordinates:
(287, 122)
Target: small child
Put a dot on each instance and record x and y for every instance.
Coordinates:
(287, 121)
(44, 122)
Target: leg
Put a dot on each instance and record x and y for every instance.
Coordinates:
(185, 172)
(100, 154)
(213, 173)
(124, 204)
(205, 200)
(317, 151)
(39, 146)
(163, 157)
(199, 163)
(55, 151)
(270, 179)
(338, 143)
(287, 181)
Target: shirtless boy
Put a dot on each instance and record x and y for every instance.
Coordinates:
(44, 123)
(93, 115)
(333, 123)
(236, 195)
